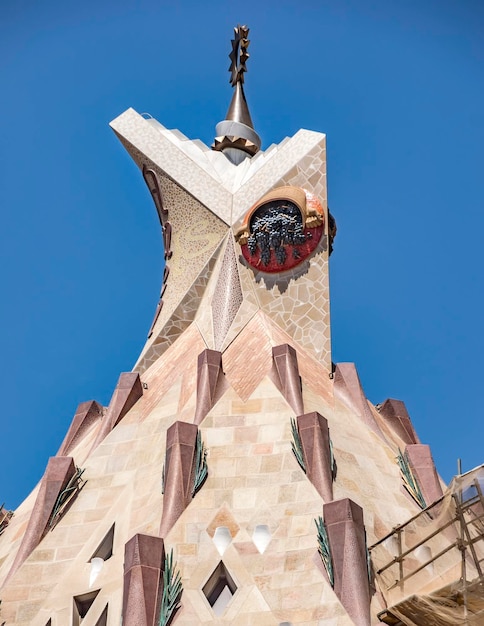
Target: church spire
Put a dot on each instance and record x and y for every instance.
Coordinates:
(235, 135)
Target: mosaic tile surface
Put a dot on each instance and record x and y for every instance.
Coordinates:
(305, 149)
(297, 301)
(192, 171)
(179, 321)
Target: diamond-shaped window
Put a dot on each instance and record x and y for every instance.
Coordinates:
(219, 589)
(222, 539)
(261, 537)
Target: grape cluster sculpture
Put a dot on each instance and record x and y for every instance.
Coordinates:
(274, 226)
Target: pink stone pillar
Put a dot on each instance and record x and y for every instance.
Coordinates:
(347, 387)
(423, 467)
(346, 536)
(143, 570)
(208, 374)
(59, 471)
(396, 415)
(128, 391)
(181, 439)
(285, 362)
(314, 435)
(86, 414)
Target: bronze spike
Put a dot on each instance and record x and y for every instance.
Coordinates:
(239, 54)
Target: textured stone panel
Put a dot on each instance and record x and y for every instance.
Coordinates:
(175, 364)
(179, 321)
(196, 235)
(227, 297)
(249, 306)
(248, 358)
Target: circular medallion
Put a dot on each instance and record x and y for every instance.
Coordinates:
(281, 230)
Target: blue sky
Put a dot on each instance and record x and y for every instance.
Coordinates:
(398, 89)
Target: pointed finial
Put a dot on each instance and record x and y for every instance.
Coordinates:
(236, 136)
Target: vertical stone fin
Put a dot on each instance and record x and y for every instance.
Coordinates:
(181, 440)
(59, 470)
(314, 434)
(209, 373)
(287, 375)
(346, 535)
(396, 415)
(227, 297)
(348, 388)
(144, 557)
(423, 467)
(128, 391)
(86, 414)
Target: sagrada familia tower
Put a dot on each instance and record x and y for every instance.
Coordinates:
(238, 476)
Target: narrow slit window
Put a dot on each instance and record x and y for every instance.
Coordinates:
(103, 620)
(105, 548)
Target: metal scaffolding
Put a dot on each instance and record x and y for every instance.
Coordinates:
(430, 569)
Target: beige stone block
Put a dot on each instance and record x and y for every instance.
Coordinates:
(218, 437)
(233, 420)
(301, 524)
(247, 434)
(20, 592)
(271, 463)
(66, 553)
(244, 498)
(235, 482)
(296, 560)
(39, 591)
(287, 493)
(224, 466)
(42, 555)
(187, 549)
(262, 448)
(253, 405)
(27, 611)
(271, 432)
(248, 465)
(205, 498)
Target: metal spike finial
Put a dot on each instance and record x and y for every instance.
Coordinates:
(239, 54)
(235, 136)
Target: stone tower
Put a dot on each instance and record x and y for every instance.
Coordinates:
(237, 476)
